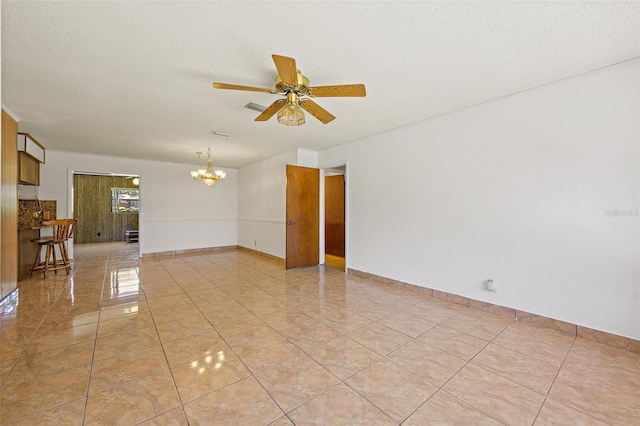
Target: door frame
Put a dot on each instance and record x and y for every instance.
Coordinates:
(70, 191)
(323, 167)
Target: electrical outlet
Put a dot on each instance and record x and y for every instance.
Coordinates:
(255, 243)
(490, 286)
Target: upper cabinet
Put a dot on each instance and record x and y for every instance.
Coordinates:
(28, 170)
(30, 155)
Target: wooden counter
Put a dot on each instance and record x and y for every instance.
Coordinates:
(31, 213)
(26, 251)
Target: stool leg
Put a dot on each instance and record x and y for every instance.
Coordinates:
(55, 261)
(61, 253)
(65, 256)
(46, 261)
(36, 263)
(66, 253)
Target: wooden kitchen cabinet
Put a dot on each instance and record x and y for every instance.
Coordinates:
(30, 155)
(27, 252)
(28, 170)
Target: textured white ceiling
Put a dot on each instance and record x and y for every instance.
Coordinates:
(133, 79)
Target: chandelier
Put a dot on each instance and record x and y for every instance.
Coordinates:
(208, 176)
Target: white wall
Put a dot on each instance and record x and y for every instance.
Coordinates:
(263, 201)
(176, 212)
(516, 190)
(306, 158)
(262, 204)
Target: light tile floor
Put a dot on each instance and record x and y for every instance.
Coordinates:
(230, 338)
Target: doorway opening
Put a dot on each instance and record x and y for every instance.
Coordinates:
(335, 217)
(106, 205)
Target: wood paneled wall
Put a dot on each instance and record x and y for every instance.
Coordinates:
(92, 208)
(334, 215)
(9, 206)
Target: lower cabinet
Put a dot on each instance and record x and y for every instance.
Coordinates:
(26, 252)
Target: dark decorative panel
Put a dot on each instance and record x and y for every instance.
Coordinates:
(92, 207)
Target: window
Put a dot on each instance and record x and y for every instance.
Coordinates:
(124, 200)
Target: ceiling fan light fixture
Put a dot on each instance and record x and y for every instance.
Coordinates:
(291, 114)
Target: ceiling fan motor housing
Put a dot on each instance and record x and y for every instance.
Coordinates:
(301, 88)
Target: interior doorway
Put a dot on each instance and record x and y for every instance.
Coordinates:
(335, 218)
(106, 205)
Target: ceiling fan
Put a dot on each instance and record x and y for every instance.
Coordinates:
(295, 86)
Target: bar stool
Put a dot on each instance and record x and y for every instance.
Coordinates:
(62, 232)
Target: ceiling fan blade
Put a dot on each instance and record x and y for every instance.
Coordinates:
(237, 87)
(316, 110)
(286, 69)
(271, 110)
(338, 91)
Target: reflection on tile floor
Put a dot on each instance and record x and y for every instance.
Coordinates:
(230, 338)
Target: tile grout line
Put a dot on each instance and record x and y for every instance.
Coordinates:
(555, 377)
(441, 388)
(95, 342)
(175, 385)
(345, 335)
(612, 384)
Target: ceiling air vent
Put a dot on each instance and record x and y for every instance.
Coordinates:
(255, 107)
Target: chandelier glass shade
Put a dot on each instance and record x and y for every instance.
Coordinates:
(207, 175)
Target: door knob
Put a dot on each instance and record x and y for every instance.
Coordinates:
(289, 222)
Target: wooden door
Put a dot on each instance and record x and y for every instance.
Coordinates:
(303, 216)
(9, 206)
(334, 215)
